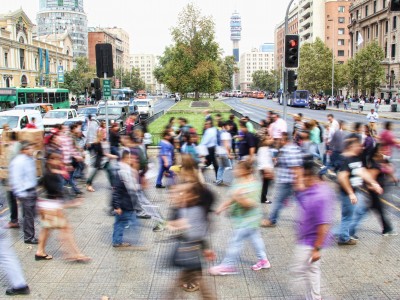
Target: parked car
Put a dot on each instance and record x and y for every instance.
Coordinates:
(315, 103)
(18, 119)
(270, 96)
(116, 114)
(86, 111)
(56, 117)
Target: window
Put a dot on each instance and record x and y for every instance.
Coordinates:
(341, 31)
(384, 3)
(387, 27)
(6, 59)
(60, 2)
(374, 6)
(366, 11)
(376, 30)
(341, 9)
(22, 58)
(341, 20)
(368, 33)
(394, 22)
(340, 42)
(393, 50)
(340, 53)
(76, 3)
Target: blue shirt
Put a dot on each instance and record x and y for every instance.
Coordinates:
(22, 175)
(210, 137)
(166, 149)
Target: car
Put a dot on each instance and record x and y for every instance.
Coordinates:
(315, 103)
(41, 107)
(116, 114)
(18, 119)
(86, 111)
(270, 97)
(146, 107)
(57, 117)
(84, 128)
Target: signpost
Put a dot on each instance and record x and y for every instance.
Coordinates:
(106, 88)
(60, 74)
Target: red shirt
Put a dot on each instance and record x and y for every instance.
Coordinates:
(31, 126)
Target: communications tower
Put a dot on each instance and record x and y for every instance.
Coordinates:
(236, 33)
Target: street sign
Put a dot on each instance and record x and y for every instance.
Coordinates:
(106, 88)
(60, 74)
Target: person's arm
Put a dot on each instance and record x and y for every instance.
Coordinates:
(343, 179)
(242, 200)
(366, 176)
(206, 138)
(224, 206)
(322, 232)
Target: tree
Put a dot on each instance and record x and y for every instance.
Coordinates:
(79, 78)
(264, 80)
(227, 69)
(191, 64)
(315, 69)
(130, 78)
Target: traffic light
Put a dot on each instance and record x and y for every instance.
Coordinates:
(292, 51)
(292, 77)
(395, 5)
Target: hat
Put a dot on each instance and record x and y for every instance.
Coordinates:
(25, 144)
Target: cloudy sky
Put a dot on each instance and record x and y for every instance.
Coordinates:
(148, 22)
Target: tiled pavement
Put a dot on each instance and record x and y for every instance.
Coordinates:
(370, 270)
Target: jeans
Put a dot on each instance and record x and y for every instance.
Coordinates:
(282, 192)
(306, 276)
(107, 167)
(12, 203)
(143, 205)
(347, 216)
(335, 163)
(236, 244)
(71, 181)
(161, 171)
(223, 162)
(359, 213)
(29, 213)
(121, 221)
(9, 262)
(314, 151)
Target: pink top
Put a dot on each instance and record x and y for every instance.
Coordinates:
(277, 128)
(388, 141)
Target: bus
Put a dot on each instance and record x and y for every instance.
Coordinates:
(10, 97)
(122, 94)
(298, 98)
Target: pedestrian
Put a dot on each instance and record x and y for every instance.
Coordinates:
(101, 148)
(52, 214)
(103, 130)
(277, 128)
(165, 155)
(11, 267)
(233, 131)
(23, 182)
(223, 152)
(115, 139)
(361, 105)
(207, 116)
(345, 103)
(91, 134)
(372, 118)
(351, 178)
(248, 143)
(287, 170)
(130, 122)
(31, 124)
(368, 146)
(315, 138)
(209, 140)
(388, 139)
(315, 213)
(246, 216)
(377, 103)
(266, 168)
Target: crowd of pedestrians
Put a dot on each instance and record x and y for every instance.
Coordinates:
(271, 165)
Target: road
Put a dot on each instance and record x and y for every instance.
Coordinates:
(257, 110)
(163, 104)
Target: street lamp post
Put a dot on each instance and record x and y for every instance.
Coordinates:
(390, 77)
(333, 54)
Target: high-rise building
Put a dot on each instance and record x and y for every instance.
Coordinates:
(311, 22)
(267, 47)
(251, 62)
(146, 63)
(122, 36)
(236, 34)
(59, 16)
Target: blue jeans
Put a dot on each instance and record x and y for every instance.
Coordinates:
(236, 244)
(223, 162)
(348, 210)
(282, 192)
(71, 181)
(359, 213)
(121, 221)
(161, 173)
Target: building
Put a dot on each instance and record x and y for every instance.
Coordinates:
(311, 25)
(293, 28)
(372, 21)
(251, 62)
(27, 62)
(123, 38)
(337, 20)
(236, 36)
(60, 16)
(267, 47)
(146, 63)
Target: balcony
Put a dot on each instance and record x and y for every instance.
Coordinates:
(306, 13)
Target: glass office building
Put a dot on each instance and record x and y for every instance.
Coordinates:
(59, 16)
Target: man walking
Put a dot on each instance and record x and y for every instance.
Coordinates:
(210, 141)
(372, 118)
(23, 183)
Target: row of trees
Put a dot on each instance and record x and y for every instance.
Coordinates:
(194, 62)
(80, 77)
(266, 80)
(364, 72)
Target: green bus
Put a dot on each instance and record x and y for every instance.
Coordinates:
(10, 97)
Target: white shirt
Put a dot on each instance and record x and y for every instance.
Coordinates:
(373, 117)
(264, 158)
(226, 138)
(278, 127)
(333, 127)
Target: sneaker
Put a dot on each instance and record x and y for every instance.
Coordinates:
(354, 237)
(159, 227)
(390, 233)
(121, 245)
(160, 186)
(350, 242)
(222, 270)
(262, 264)
(20, 291)
(218, 182)
(12, 225)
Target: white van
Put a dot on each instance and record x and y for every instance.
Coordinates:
(18, 119)
(145, 107)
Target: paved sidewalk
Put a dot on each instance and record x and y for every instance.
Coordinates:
(384, 115)
(370, 270)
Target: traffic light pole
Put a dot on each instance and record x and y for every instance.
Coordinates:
(284, 68)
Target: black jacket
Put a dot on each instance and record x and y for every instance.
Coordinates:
(121, 197)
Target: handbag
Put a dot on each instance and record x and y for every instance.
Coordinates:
(187, 255)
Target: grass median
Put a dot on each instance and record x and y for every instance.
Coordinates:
(214, 105)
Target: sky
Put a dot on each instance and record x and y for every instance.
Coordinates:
(148, 22)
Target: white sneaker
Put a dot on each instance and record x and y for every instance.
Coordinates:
(390, 233)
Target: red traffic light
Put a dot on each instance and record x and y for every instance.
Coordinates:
(293, 43)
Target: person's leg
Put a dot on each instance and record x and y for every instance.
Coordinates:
(258, 243)
(10, 264)
(221, 169)
(378, 208)
(43, 236)
(314, 278)
(234, 248)
(347, 216)
(282, 192)
(29, 211)
(72, 182)
(92, 176)
(161, 171)
(119, 225)
(12, 203)
(360, 210)
(265, 186)
(213, 160)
